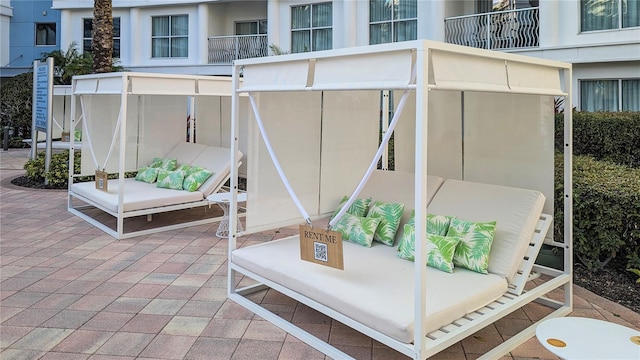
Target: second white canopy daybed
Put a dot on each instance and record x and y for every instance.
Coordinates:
(128, 120)
(473, 140)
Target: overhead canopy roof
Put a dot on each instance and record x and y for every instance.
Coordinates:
(390, 66)
(151, 84)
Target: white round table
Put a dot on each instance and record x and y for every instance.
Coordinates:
(584, 338)
(223, 199)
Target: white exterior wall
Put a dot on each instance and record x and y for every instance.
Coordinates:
(206, 18)
(614, 53)
(6, 12)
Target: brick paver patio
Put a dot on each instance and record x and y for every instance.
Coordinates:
(69, 291)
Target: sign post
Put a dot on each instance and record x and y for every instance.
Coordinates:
(42, 108)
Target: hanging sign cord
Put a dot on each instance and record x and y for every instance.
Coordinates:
(376, 158)
(275, 161)
(90, 143)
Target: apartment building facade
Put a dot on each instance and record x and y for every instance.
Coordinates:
(600, 37)
(28, 29)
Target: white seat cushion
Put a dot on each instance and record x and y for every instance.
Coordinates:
(397, 187)
(516, 212)
(138, 195)
(217, 160)
(375, 288)
(185, 152)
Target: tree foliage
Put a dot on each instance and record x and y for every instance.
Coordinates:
(16, 102)
(67, 64)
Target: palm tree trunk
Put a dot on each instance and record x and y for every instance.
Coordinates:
(102, 42)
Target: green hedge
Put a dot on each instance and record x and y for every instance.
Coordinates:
(613, 136)
(606, 211)
(58, 174)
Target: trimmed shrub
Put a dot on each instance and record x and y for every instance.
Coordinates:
(15, 104)
(58, 174)
(606, 211)
(613, 136)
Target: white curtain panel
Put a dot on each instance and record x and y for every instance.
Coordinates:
(630, 95)
(599, 15)
(599, 95)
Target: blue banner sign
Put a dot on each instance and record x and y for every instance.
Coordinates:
(42, 97)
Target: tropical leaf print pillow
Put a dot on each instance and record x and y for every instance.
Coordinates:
(169, 164)
(475, 243)
(184, 167)
(360, 207)
(195, 179)
(156, 163)
(147, 174)
(440, 249)
(357, 229)
(170, 179)
(436, 224)
(389, 215)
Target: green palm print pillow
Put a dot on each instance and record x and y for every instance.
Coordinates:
(195, 179)
(389, 215)
(357, 229)
(436, 224)
(170, 179)
(475, 243)
(440, 249)
(360, 207)
(184, 167)
(165, 164)
(169, 164)
(156, 163)
(147, 174)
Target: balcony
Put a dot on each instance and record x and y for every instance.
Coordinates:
(226, 49)
(500, 30)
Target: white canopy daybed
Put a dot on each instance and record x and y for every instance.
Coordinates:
(473, 139)
(154, 114)
(61, 111)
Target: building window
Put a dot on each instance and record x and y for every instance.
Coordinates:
(251, 27)
(87, 37)
(170, 36)
(610, 95)
(609, 14)
(45, 34)
(311, 27)
(392, 21)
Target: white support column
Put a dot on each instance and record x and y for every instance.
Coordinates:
(233, 203)
(273, 25)
(203, 34)
(568, 186)
(349, 21)
(420, 272)
(66, 33)
(428, 29)
(121, 156)
(135, 46)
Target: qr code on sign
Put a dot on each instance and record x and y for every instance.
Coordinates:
(320, 251)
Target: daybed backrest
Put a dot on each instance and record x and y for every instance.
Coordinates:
(397, 187)
(516, 212)
(217, 160)
(185, 152)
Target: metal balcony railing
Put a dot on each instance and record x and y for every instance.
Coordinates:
(226, 49)
(498, 30)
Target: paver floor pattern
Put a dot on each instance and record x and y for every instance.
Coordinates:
(69, 291)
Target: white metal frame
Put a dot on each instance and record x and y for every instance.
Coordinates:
(513, 80)
(124, 84)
